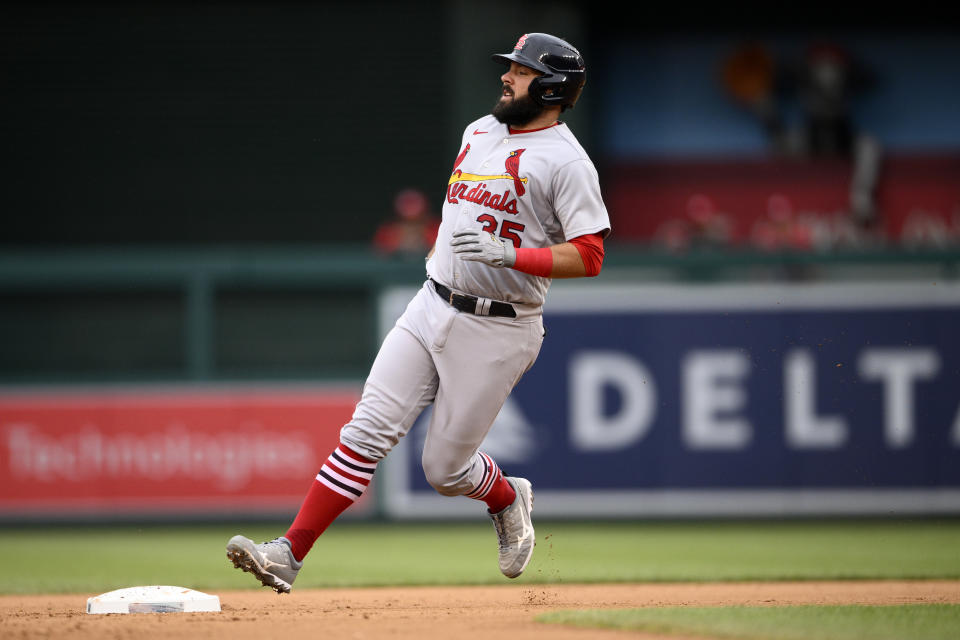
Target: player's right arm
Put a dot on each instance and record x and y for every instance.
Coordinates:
(580, 257)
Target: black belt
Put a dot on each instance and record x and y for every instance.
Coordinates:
(469, 304)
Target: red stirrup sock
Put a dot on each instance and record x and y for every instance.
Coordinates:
(493, 487)
(342, 479)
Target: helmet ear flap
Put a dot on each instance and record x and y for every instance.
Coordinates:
(535, 90)
(550, 90)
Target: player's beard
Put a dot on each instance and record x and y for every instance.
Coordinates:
(517, 112)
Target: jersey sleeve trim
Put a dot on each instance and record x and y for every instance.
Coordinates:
(603, 229)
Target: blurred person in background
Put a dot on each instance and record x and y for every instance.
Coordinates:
(828, 82)
(703, 227)
(413, 228)
(781, 229)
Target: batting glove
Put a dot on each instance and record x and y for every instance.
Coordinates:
(485, 247)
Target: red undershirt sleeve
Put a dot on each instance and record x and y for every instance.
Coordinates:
(539, 262)
(591, 251)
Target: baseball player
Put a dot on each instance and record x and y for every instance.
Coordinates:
(522, 206)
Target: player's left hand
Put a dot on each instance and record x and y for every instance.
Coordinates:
(482, 246)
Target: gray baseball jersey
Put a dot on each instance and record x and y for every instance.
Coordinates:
(535, 189)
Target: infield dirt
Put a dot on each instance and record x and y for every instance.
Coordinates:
(420, 613)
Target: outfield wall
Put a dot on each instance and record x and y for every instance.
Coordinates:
(646, 401)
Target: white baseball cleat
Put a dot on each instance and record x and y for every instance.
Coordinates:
(515, 530)
(271, 562)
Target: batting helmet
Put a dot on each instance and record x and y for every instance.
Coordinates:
(562, 66)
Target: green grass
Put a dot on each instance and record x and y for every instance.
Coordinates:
(916, 622)
(98, 559)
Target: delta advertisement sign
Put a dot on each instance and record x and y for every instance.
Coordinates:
(728, 400)
(109, 452)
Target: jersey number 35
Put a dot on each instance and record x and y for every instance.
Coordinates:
(508, 230)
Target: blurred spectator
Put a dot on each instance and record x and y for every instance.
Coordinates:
(709, 228)
(704, 227)
(823, 84)
(749, 75)
(412, 230)
(827, 84)
(782, 229)
(925, 230)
